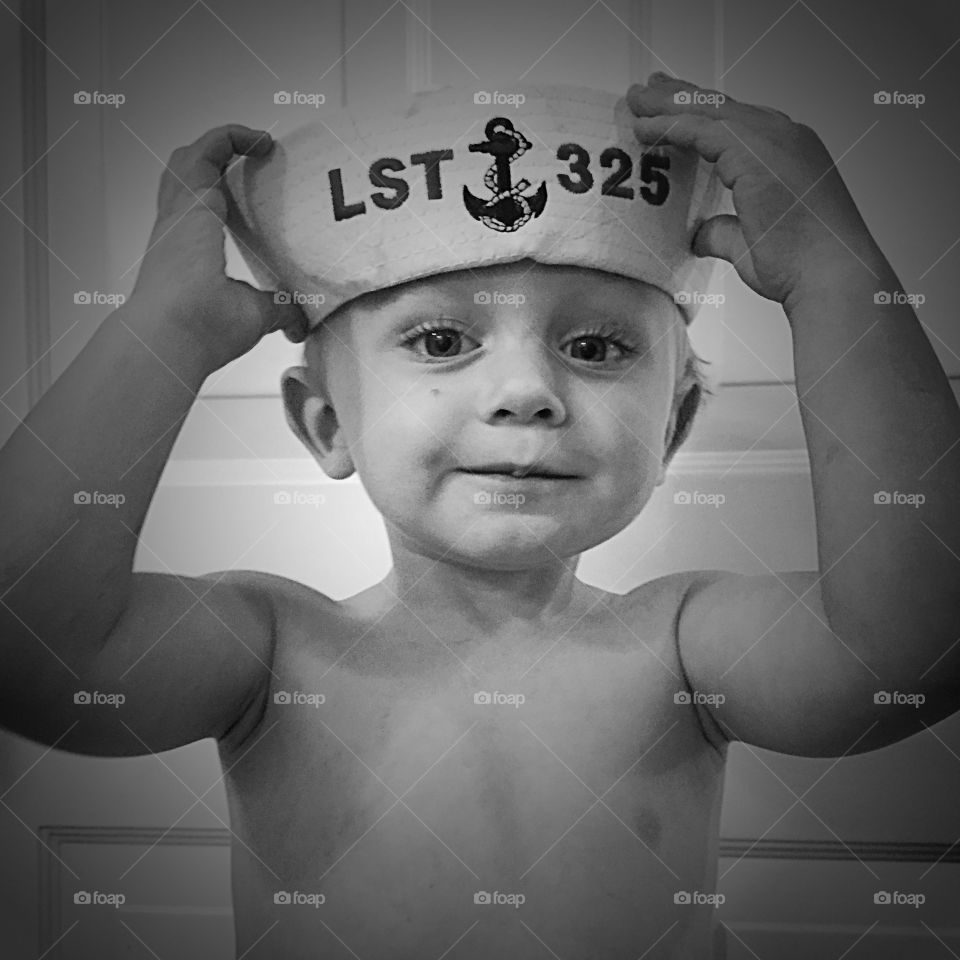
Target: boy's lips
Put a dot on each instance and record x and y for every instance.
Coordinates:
(518, 471)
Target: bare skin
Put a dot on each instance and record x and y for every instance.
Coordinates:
(597, 798)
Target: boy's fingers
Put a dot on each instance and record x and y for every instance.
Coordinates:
(672, 96)
(668, 95)
(288, 317)
(706, 136)
(736, 153)
(192, 175)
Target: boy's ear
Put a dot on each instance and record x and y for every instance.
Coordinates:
(312, 418)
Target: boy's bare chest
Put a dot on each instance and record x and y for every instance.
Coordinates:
(553, 770)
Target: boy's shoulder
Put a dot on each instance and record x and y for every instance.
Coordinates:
(286, 596)
(662, 596)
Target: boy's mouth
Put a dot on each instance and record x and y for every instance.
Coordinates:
(517, 471)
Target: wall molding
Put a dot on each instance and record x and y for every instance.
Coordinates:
(51, 840)
(50, 843)
(890, 851)
(53, 837)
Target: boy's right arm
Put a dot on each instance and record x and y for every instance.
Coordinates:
(189, 655)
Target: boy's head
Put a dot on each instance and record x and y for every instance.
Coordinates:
(422, 387)
(546, 203)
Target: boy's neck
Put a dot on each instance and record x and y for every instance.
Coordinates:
(471, 602)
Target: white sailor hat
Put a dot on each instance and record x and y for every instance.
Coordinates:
(450, 179)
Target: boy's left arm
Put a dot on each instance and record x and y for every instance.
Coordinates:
(866, 650)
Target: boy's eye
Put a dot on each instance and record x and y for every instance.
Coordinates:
(434, 341)
(438, 342)
(594, 348)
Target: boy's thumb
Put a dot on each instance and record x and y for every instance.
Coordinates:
(284, 315)
(722, 237)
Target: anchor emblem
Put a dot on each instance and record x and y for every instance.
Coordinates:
(508, 209)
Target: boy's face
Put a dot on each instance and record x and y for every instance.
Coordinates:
(426, 387)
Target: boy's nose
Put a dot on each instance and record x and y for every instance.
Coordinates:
(522, 389)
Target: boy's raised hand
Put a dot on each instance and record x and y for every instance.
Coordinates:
(795, 218)
(182, 279)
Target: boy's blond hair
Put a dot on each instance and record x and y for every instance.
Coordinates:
(690, 386)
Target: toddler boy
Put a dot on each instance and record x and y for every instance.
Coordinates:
(507, 762)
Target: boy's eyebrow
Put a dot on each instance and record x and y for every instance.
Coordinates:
(398, 299)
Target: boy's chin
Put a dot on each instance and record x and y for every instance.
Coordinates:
(518, 542)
